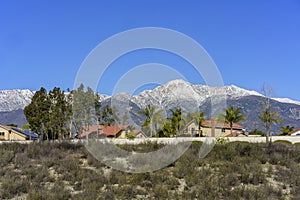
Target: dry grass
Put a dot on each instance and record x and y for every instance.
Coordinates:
(231, 171)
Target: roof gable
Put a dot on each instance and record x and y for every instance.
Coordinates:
(25, 133)
(294, 131)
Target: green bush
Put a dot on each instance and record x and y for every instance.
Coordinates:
(283, 141)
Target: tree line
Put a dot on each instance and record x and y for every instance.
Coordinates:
(170, 126)
(58, 115)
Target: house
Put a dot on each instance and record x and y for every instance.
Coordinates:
(101, 131)
(12, 134)
(213, 128)
(113, 131)
(295, 132)
(191, 129)
(139, 134)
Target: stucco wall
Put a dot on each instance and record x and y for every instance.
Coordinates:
(13, 135)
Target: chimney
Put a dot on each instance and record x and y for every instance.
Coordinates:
(213, 127)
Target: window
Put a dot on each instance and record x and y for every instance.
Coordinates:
(2, 133)
(192, 131)
(223, 130)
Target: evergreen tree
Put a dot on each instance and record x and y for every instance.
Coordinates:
(37, 112)
(58, 114)
(97, 108)
(107, 116)
(70, 112)
(175, 120)
(84, 113)
(48, 113)
(166, 130)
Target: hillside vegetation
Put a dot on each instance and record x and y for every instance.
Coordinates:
(230, 171)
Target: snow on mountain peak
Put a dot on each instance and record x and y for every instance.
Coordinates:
(286, 100)
(14, 99)
(189, 95)
(174, 93)
(235, 91)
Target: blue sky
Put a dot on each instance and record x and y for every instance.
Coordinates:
(43, 43)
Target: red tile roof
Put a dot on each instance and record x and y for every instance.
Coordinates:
(208, 123)
(294, 131)
(112, 130)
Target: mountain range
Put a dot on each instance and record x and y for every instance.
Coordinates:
(176, 93)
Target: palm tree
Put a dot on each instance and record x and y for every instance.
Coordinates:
(153, 116)
(268, 119)
(232, 116)
(286, 129)
(200, 121)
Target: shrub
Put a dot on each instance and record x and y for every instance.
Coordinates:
(222, 140)
(6, 157)
(283, 142)
(234, 170)
(257, 132)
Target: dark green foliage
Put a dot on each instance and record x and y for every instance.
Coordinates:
(282, 141)
(166, 131)
(37, 112)
(107, 116)
(286, 129)
(237, 170)
(231, 116)
(98, 105)
(175, 120)
(48, 114)
(12, 125)
(59, 114)
(257, 132)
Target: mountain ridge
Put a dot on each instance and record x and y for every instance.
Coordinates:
(176, 93)
(15, 99)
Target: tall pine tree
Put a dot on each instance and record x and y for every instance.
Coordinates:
(37, 112)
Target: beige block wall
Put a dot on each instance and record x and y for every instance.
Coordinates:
(16, 136)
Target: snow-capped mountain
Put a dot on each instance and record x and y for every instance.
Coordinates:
(11, 100)
(191, 94)
(286, 100)
(176, 93)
